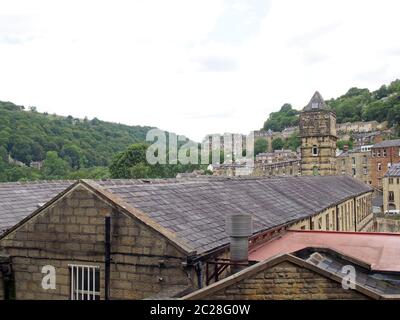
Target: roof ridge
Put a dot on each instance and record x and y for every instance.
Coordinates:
(33, 182)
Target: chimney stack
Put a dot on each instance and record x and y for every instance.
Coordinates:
(239, 227)
(345, 147)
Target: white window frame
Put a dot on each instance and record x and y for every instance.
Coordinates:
(88, 275)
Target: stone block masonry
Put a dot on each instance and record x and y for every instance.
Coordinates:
(71, 231)
(284, 281)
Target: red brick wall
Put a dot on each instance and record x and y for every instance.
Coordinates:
(392, 156)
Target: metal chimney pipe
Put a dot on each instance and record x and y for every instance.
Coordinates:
(239, 227)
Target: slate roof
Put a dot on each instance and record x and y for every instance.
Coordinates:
(20, 199)
(316, 102)
(195, 209)
(377, 201)
(387, 144)
(394, 171)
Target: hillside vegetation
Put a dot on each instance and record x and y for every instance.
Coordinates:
(356, 105)
(69, 147)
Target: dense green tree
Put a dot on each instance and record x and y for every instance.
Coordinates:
(90, 173)
(285, 117)
(293, 142)
(132, 163)
(341, 143)
(260, 146)
(74, 155)
(3, 155)
(55, 167)
(134, 156)
(277, 144)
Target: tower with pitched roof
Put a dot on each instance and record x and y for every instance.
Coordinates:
(318, 138)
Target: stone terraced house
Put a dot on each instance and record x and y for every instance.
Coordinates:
(136, 239)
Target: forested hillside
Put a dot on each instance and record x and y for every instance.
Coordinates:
(356, 105)
(70, 147)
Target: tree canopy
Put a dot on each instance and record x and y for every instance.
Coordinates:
(132, 163)
(285, 117)
(357, 104)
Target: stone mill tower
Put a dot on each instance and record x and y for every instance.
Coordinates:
(318, 138)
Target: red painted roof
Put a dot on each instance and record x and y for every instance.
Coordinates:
(380, 250)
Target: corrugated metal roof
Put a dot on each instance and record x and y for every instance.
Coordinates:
(394, 171)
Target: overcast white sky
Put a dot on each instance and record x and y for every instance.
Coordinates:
(192, 66)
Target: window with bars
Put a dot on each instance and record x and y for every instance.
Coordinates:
(85, 282)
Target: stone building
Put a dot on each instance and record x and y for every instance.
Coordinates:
(367, 138)
(279, 168)
(357, 127)
(313, 266)
(227, 142)
(276, 156)
(318, 138)
(270, 135)
(391, 189)
(355, 163)
(134, 239)
(277, 163)
(384, 154)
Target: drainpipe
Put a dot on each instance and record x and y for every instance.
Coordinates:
(199, 271)
(355, 214)
(337, 218)
(107, 251)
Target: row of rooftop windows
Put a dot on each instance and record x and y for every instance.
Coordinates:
(394, 180)
(382, 153)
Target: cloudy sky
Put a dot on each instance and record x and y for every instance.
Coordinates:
(192, 66)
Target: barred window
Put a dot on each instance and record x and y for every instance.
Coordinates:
(85, 282)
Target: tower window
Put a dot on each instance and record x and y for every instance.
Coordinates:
(315, 151)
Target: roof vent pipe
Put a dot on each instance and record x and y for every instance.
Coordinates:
(239, 227)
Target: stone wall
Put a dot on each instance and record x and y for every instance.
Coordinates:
(354, 214)
(285, 281)
(71, 231)
(318, 128)
(382, 224)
